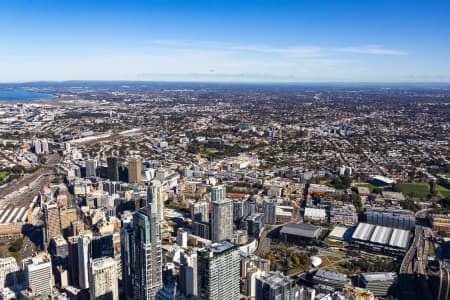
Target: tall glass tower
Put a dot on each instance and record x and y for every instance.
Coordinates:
(141, 255)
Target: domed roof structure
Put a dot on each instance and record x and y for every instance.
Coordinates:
(315, 261)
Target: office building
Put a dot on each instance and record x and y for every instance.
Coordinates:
(142, 265)
(59, 248)
(113, 168)
(8, 272)
(221, 220)
(73, 260)
(127, 254)
(188, 274)
(52, 222)
(276, 286)
(38, 274)
(83, 261)
(156, 196)
(91, 167)
(218, 272)
(103, 279)
(67, 215)
(135, 170)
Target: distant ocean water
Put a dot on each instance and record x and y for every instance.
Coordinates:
(23, 95)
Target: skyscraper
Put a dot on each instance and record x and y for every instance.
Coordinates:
(276, 286)
(91, 167)
(113, 168)
(38, 274)
(83, 261)
(44, 145)
(142, 255)
(218, 272)
(52, 222)
(221, 220)
(135, 170)
(155, 195)
(103, 279)
(127, 254)
(73, 260)
(200, 212)
(37, 147)
(269, 211)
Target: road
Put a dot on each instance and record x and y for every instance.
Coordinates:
(264, 241)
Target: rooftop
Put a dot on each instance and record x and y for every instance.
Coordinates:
(331, 275)
(301, 229)
(275, 279)
(378, 276)
(217, 248)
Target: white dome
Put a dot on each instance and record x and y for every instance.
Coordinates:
(315, 261)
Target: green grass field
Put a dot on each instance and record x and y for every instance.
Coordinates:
(3, 174)
(420, 189)
(443, 191)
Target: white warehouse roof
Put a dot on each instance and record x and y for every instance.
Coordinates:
(381, 235)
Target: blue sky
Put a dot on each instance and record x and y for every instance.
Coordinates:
(272, 41)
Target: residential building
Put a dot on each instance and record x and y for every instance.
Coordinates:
(218, 193)
(221, 219)
(269, 211)
(200, 212)
(218, 272)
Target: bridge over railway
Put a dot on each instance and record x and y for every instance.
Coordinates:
(413, 277)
